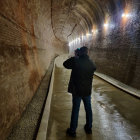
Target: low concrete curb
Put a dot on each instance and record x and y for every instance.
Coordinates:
(42, 133)
(119, 84)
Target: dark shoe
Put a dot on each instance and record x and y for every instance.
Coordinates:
(88, 130)
(70, 133)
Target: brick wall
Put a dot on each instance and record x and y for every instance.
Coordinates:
(117, 53)
(27, 45)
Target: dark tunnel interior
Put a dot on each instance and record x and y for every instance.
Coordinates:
(34, 32)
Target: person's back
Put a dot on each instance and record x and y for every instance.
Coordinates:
(80, 86)
(82, 75)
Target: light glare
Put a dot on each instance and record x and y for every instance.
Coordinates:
(88, 34)
(94, 31)
(123, 15)
(106, 25)
(126, 15)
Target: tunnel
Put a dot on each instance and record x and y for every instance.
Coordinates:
(37, 36)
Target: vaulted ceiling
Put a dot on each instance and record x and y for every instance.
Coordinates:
(71, 18)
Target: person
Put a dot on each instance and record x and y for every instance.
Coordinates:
(80, 86)
(76, 53)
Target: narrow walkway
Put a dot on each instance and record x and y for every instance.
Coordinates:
(116, 115)
(27, 127)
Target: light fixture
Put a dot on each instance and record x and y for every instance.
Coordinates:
(126, 15)
(88, 34)
(106, 25)
(94, 31)
(79, 39)
(123, 15)
(69, 43)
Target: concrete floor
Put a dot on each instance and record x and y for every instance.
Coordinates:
(116, 115)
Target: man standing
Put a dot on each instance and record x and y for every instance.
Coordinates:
(71, 86)
(80, 86)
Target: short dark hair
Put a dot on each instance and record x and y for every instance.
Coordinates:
(77, 51)
(83, 50)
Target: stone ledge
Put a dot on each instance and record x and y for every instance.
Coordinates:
(119, 84)
(42, 132)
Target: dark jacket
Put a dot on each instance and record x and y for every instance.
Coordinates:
(81, 76)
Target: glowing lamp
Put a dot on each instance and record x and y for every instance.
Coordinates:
(106, 25)
(94, 31)
(123, 15)
(69, 44)
(126, 15)
(88, 34)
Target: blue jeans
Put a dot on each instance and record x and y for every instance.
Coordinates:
(76, 100)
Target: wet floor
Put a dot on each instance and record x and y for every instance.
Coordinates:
(116, 115)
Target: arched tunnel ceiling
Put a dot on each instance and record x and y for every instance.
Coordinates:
(71, 18)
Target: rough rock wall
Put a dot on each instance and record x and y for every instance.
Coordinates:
(27, 45)
(117, 52)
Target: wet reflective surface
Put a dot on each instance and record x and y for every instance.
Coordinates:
(116, 115)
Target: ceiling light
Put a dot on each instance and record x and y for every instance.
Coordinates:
(106, 25)
(126, 15)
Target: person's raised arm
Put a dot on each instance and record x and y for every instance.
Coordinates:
(68, 64)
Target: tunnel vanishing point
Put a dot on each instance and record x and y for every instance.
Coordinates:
(34, 32)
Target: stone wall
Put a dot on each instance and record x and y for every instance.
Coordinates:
(27, 45)
(117, 52)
